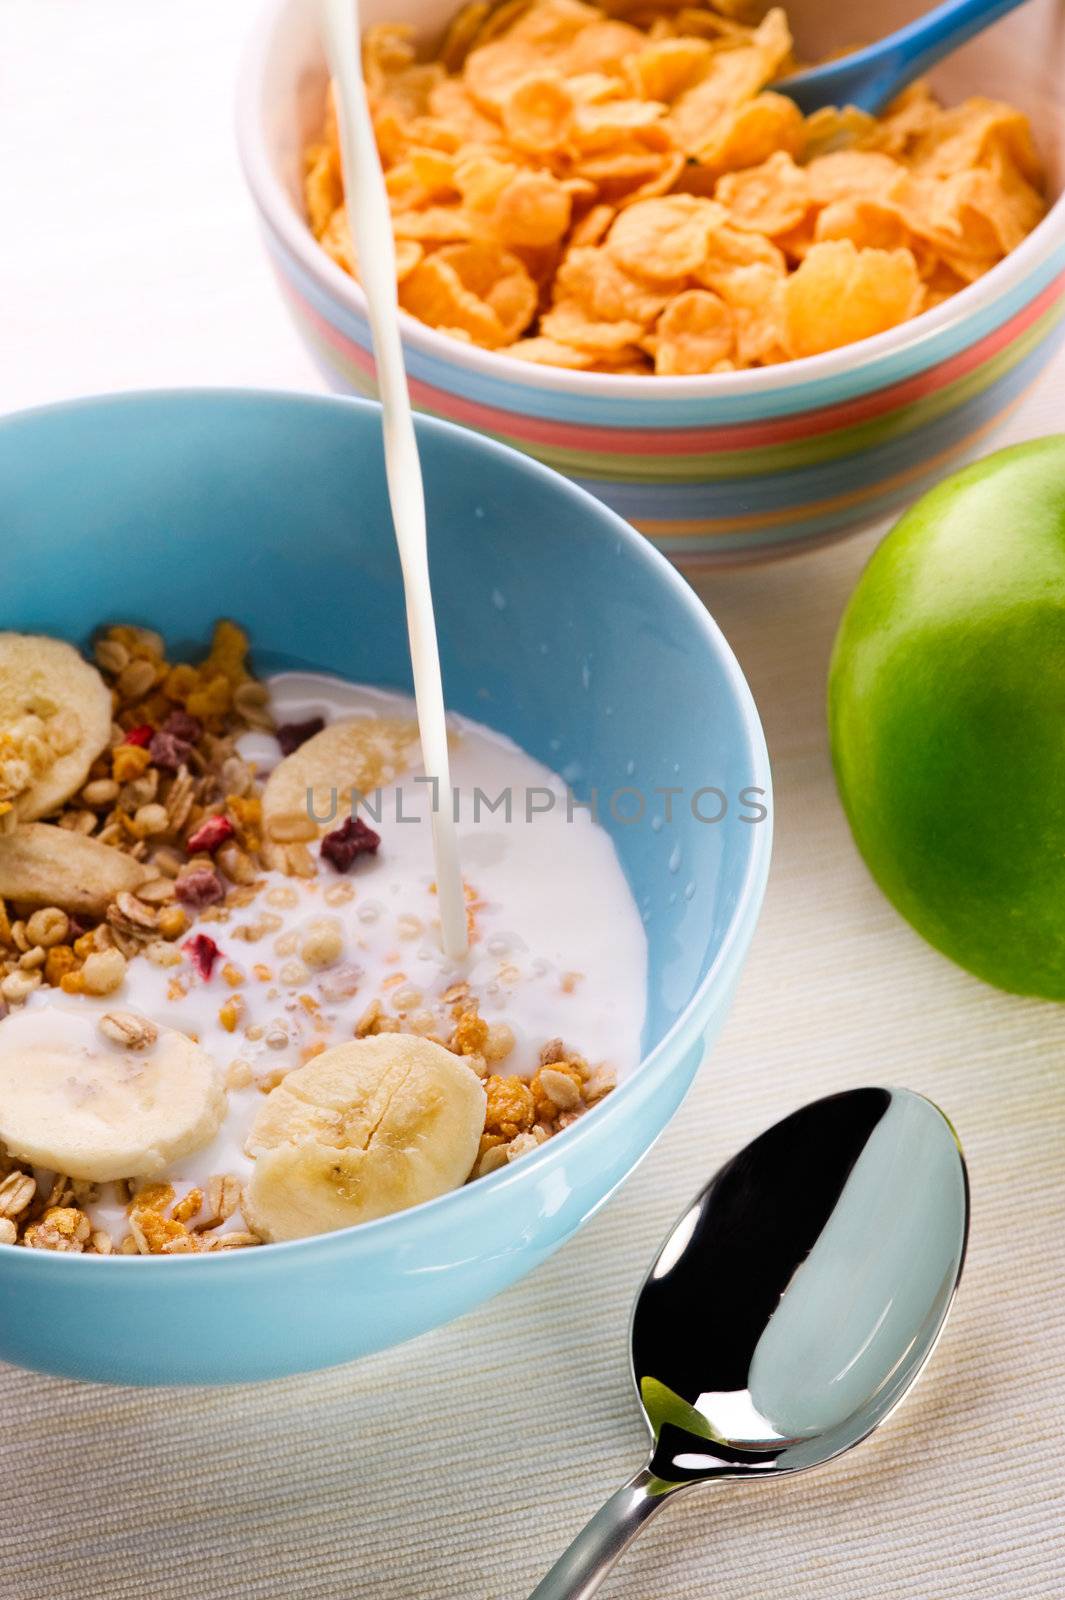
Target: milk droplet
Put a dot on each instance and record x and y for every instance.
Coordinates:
(673, 898)
(586, 674)
(499, 600)
(674, 859)
(658, 822)
(689, 889)
(630, 768)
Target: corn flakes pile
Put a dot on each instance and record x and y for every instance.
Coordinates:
(614, 188)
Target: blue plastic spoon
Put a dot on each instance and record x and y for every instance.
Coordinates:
(871, 78)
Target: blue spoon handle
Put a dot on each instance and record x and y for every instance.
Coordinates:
(872, 77)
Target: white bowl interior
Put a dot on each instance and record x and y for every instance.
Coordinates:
(1020, 59)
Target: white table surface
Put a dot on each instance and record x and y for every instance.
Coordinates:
(453, 1468)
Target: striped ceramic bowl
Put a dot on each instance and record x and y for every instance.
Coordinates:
(734, 466)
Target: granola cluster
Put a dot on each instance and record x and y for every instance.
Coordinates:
(55, 1216)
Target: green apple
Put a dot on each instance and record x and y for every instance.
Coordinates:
(946, 705)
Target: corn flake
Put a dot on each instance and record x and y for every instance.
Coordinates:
(435, 294)
(770, 198)
(618, 187)
(695, 334)
(664, 238)
(840, 294)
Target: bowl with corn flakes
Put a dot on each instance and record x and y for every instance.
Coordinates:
(622, 251)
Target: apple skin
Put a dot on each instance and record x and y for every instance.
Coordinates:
(946, 710)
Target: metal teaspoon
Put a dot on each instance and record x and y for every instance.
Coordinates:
(790, 1308)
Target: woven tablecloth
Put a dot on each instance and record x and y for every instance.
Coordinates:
(457, 1467)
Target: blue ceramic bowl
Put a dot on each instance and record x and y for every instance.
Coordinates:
(173, 509)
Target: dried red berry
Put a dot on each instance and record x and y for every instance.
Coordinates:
(352, 839)
(292, 734)
(212, 832)
(141, 735)
(198, 887)
(183, 726)
(202, 952)
(168, 752)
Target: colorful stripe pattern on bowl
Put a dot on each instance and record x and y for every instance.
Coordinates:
(734, 478)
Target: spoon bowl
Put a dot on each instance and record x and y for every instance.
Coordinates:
(791, 1307)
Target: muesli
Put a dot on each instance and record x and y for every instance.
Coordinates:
(223, 1021)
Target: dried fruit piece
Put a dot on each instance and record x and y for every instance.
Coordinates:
(55, 718)
(211, 833)
(203, 953)
(351, 757)
(290, 735)
(168, 752)
(198, 887)
(345, 844)
(43, 865)
(180, 725)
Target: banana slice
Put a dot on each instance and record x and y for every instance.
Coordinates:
(357, 754)
(75, 1102)
(43, 865)
(363, 1130)
(55, 718)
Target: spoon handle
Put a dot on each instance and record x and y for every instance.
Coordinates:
(581, 1569)
(872, 77)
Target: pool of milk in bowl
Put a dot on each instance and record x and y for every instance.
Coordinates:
(559, 948)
